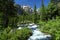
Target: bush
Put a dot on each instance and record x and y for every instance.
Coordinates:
(22, 34)
(52, 27)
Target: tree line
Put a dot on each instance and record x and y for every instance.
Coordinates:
(9, 16)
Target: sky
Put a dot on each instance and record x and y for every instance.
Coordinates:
(31, 3)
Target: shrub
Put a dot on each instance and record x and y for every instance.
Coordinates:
(52, 27)
(22, 34)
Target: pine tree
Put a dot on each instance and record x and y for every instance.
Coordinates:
(52, 10)
(8, 9)
(35, 14)
(43, 11)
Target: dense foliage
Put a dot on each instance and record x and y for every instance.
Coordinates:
(51, 17)
(10, 34)
(49, 12)
(7, 11)
(51, 27)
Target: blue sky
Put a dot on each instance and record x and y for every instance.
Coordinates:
(32, 2)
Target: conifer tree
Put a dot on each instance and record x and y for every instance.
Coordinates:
(43, 11)
(35, 14)
(8, 9)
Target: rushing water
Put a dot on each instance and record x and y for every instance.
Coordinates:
(38, 35)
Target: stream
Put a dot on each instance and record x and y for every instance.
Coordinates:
(37, 34)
